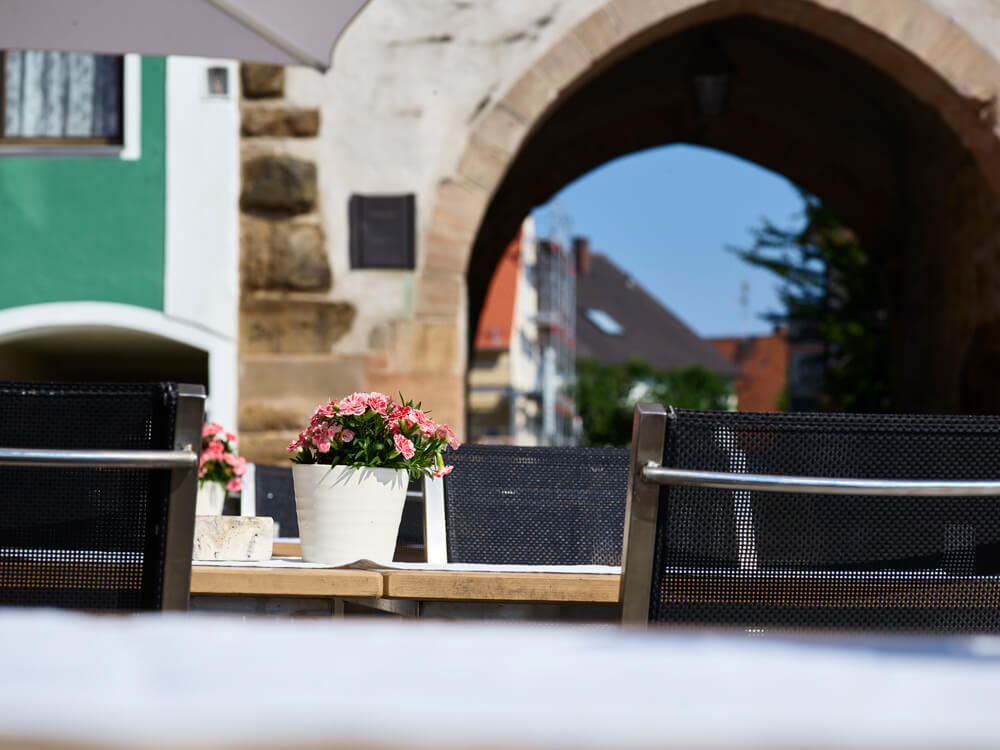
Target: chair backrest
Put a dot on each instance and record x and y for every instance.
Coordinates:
(97, 494)
(274, 496)
(883, 560)
(533, 506)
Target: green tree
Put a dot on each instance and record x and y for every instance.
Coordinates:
(606, 395)
(834, 293)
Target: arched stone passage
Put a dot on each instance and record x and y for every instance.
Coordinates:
(99, 341)
(902, 142)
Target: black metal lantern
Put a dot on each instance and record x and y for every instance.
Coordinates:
(711, 75)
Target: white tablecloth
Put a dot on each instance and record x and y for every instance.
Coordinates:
(297, 562)
(197, 681)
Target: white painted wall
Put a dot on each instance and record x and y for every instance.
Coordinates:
(201, 275)
(406, 81)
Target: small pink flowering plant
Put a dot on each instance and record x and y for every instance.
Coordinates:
(219, 462)
(368, 429)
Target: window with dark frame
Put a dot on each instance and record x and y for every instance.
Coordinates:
(61, 99)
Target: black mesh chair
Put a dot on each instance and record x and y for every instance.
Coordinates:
(274, 495)
(531, 506)
(821, 521)
(97, 494)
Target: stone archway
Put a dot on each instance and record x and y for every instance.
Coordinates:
(922, 53)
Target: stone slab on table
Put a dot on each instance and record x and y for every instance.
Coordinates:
(233, 538)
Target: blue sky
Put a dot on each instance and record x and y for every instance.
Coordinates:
(667, 215)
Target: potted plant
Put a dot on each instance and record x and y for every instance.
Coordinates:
(352, 465)
(219, 471)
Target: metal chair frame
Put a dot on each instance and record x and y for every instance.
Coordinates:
(182, 461)
(646, 475)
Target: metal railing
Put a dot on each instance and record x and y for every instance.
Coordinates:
(656, 474)
(118, 459)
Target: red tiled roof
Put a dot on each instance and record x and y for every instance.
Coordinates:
(497, 318)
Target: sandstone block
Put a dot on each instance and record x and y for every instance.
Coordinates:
(439, 294)
(483, 165)
(278, 184)
(263, 415)
(530, 95)
(298, 256)
(260, 81)
(292, 326)
(309, 379)
(255, 251)
(233, 538)
(283, 255)
(433, 347)
(280, 121)
(268, 448)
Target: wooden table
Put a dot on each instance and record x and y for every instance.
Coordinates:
(413, 592)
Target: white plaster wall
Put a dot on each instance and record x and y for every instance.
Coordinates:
(406, 82)
(201, 275)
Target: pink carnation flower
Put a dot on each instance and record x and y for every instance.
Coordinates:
(347, 436)
(215, 450)
(355, 404)
(427, 426)
(323, 446)
(404, 446)
(444, 432)
(443, 470)
(211, 429)
(234, 485)
(378, 401)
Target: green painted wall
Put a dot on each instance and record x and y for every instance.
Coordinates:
(74, 229)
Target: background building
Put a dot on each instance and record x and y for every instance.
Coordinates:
(522, 369)
(618, 319)
(119, 182)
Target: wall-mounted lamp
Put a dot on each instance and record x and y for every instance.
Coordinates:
(710, 75)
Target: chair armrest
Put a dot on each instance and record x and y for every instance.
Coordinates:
(654, 473)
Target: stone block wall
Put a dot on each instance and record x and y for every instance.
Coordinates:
(288, 323)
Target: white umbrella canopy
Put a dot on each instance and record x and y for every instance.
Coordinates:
(283, 32)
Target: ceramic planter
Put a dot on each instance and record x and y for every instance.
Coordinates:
(348, 514)
(211, 498)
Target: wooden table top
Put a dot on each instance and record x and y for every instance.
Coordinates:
(247, 581)
(539, 588)
(434, 585)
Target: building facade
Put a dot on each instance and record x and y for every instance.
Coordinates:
(522, 369)
(118, 193)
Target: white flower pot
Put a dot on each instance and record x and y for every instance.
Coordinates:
(348, 514)
(211, 498)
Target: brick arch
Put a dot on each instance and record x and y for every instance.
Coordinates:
(925, 52)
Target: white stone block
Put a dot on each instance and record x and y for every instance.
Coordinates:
(233, 538)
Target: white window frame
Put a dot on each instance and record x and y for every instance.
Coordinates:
(130, 149)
